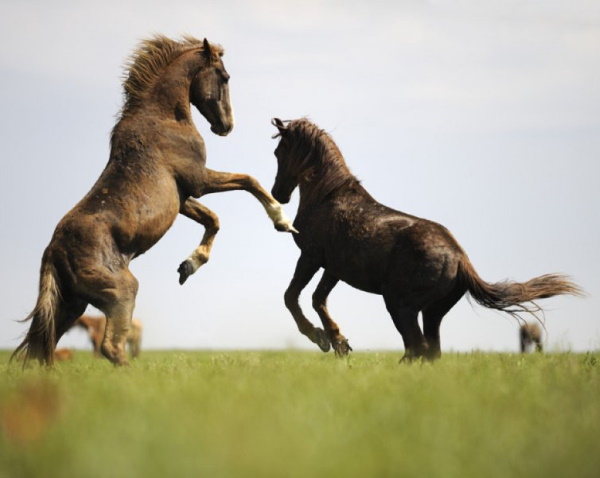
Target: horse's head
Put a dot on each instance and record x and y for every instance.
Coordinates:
(209, 91)
(287, 175)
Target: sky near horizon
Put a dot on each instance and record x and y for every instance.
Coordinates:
(483, 116)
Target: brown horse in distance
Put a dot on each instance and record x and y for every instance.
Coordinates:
(63, 355)
(157, 164)
(530, 335)
(415, 264)
(95, 327)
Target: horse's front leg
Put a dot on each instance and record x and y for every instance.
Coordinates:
(217, 182)
(319, 301)
(202, 215)
(305, 270)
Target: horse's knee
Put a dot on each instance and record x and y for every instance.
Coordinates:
(291, 299)
(251, 183)
(130, 286)
(213, 225)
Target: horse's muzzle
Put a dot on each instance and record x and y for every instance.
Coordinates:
(280, 197)
(221, 129)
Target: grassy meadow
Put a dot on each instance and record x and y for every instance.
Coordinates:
(303, 414)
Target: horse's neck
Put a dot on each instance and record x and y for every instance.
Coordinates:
(172, 97)
(171, 91)
(331, 175)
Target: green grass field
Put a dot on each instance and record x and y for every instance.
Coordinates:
(300, 414)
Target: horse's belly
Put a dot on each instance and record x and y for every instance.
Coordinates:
(151, 227)
(363, 273)
(374, 287)
(138, 223)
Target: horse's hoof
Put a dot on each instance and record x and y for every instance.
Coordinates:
(342, 347)
(408, 359)
(185, 270)
(321, 339)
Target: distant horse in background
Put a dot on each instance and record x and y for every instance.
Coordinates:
(157, 164)
(63, 355)
(95, 327)
(530, 335)
(415, 264)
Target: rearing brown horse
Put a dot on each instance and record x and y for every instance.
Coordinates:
(156, 165)
(415, 264)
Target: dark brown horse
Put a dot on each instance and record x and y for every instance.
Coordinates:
(415, 264)
(530, 335)
(157, 164)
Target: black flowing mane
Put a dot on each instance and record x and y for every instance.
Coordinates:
(318, 156)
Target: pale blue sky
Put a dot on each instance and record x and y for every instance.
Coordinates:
(481, 115)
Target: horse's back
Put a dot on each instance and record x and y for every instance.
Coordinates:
(370, 246)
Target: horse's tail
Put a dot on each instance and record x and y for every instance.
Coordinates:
(40, 341)
(515, 297)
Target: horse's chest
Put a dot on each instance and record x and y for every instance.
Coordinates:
(184, 154)
(351, 250)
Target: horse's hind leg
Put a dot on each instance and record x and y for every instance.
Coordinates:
(406, 321)
(66, 316)
(117, 301)
(432, 319)
(304, 272)
(319, 301)
(115, 335)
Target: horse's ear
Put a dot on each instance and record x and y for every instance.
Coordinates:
(280, 126)
(207, 51)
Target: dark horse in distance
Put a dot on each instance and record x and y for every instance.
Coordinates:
(415, 264)
(157, 164)
(530, 336)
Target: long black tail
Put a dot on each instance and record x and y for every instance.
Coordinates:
(40, 341)
(515, 297)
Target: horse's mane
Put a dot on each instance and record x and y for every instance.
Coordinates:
(319, 158)
(149, 60)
